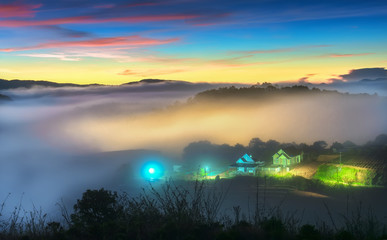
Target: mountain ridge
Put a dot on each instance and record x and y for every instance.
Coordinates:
(16, 83)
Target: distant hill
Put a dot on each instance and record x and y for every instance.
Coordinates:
(12, 84)
(4, 98)
(264, 91)
(150, 81)
(69, 89)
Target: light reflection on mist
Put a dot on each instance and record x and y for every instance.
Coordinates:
(39, 166)
(287, 119)
(47, 141)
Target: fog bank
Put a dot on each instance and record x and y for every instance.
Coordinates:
(51, 140)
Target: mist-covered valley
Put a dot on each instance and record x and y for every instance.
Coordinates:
(57, 142)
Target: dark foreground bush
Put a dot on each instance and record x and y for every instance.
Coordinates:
(175, 212)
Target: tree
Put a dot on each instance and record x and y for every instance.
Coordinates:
(319, 146)
(256, 143)
(96, 215)
(337, 147)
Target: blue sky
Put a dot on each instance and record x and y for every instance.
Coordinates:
(220, 41)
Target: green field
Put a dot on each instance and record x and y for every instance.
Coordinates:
(348, 175)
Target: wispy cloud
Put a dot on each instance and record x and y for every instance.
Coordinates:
(339, 55)
(303, 11)
(210, 19)
(104, 6)
(66, 32)
(279, 50)
(127, 72)
(18, 10)
(305, 79)
(57, 56)
(349, 55)
(94, 20)
(233, 60)
(130, 41)
(150, 72)
(145, 3)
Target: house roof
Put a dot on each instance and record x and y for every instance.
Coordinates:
(282, 152)
(246, 159)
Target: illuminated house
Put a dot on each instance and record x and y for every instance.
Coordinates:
(246, 165)
(281, 158)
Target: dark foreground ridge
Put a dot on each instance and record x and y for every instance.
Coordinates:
(175, 212)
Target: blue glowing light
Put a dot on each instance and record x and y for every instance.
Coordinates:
(152, 171)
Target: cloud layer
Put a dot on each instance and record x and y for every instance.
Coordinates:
(363, 80)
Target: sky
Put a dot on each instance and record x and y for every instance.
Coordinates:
(247, 41)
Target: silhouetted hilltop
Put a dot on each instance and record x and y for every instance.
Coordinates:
(265, 90)
(4, 98)
(151, 81)
(147, 84)
(12, 84)
(173, 85)
(380, 140)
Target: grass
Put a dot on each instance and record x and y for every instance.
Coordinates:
(345, 175)
(176, 212)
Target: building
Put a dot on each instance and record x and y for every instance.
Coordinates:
(282, 159)
(246, 165)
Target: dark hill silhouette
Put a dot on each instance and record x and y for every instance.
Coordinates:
(380, 140)
(150, 81)
(265, 91)
(12, 84)
(4, 98)
(69, 89)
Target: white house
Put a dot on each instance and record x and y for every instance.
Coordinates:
(282, 159)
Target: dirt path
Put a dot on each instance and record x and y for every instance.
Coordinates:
(306, 170)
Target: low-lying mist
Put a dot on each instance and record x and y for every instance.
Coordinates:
(49, 142)
(305, 118)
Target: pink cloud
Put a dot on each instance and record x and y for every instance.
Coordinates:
(133, 41)
(127, 72)
(148, 73)
(349, 55)
(18, 10)
(93, 20)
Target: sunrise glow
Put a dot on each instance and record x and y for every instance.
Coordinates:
(200, 41)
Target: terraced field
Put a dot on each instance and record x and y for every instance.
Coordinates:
(375, 164)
